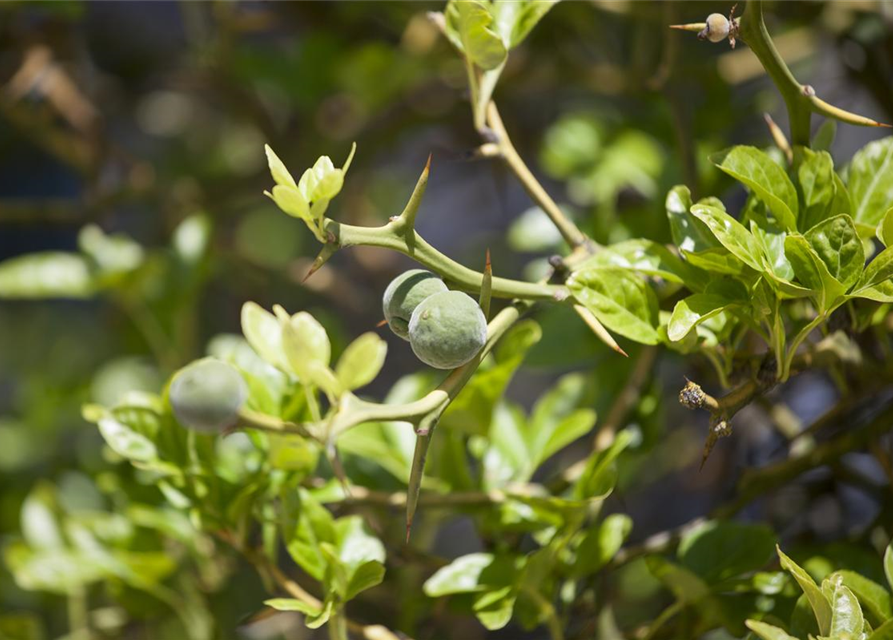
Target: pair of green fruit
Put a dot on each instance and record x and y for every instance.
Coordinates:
(445, 328)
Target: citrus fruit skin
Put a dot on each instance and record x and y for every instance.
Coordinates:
(206, 395)
(447, 330)
(404, 294)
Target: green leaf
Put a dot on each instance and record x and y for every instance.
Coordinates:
(111, 254)
(621, 301)
(824, 137)
(293, 203)
(719, 550)
(470, 23)
(878, 270)
(471, 573)
(837, 244)
(731, 234)
(695, 309)
(874, 598)
(689, 233)
(472, 410)
(306, 530)
(816, 182)
(812, 272)
(884, 632)
(717, 260)
(885, 228)
(365, 576)
(682, 583)
(306, 345)
(771, 243)
(515, 19)
(820, 605)
(600, 544)
(263, 331)
(767, 631)
(38, 519)
(290, 604)
(888, 564)
(361, 361)
(846, 614)
(881, 292)
(281, 176)
(494, 609)
(49, 274)
(764, 177)
(125, 442)
(600, 475)
(355, 544)
(871, 181)
(646, 257)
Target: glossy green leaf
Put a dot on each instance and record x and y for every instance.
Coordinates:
(695, 309)
(816, 184)
(515, 19)
(494, 609)
(812, 272)
(837, 244)
(771, 243)
(717, 260)
(767, 631)
(263, 331)
(817, 600)
(689, 233)
(875, 599)
(871, 181)
(644, 256)
(39, 518)
(842, 202)
(764, 177)
(621, 301)
(720, 550)
(49, 274)
(878, 270)
(361, 361)
(292, 202)
(731, 234)
(846, 614)
(884, 230)
(470, 24)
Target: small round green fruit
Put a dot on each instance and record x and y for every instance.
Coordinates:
(447, 330)
(404, 294)
(207, 395)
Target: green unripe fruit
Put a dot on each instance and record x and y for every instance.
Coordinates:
(447, 330)
(404, 294)
(207, 395)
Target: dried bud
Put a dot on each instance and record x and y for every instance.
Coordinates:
(717, 28)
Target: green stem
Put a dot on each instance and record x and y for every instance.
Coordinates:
(398, 236)
(569, 231)
(756, 35)
(79, 615)
(337, 625)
